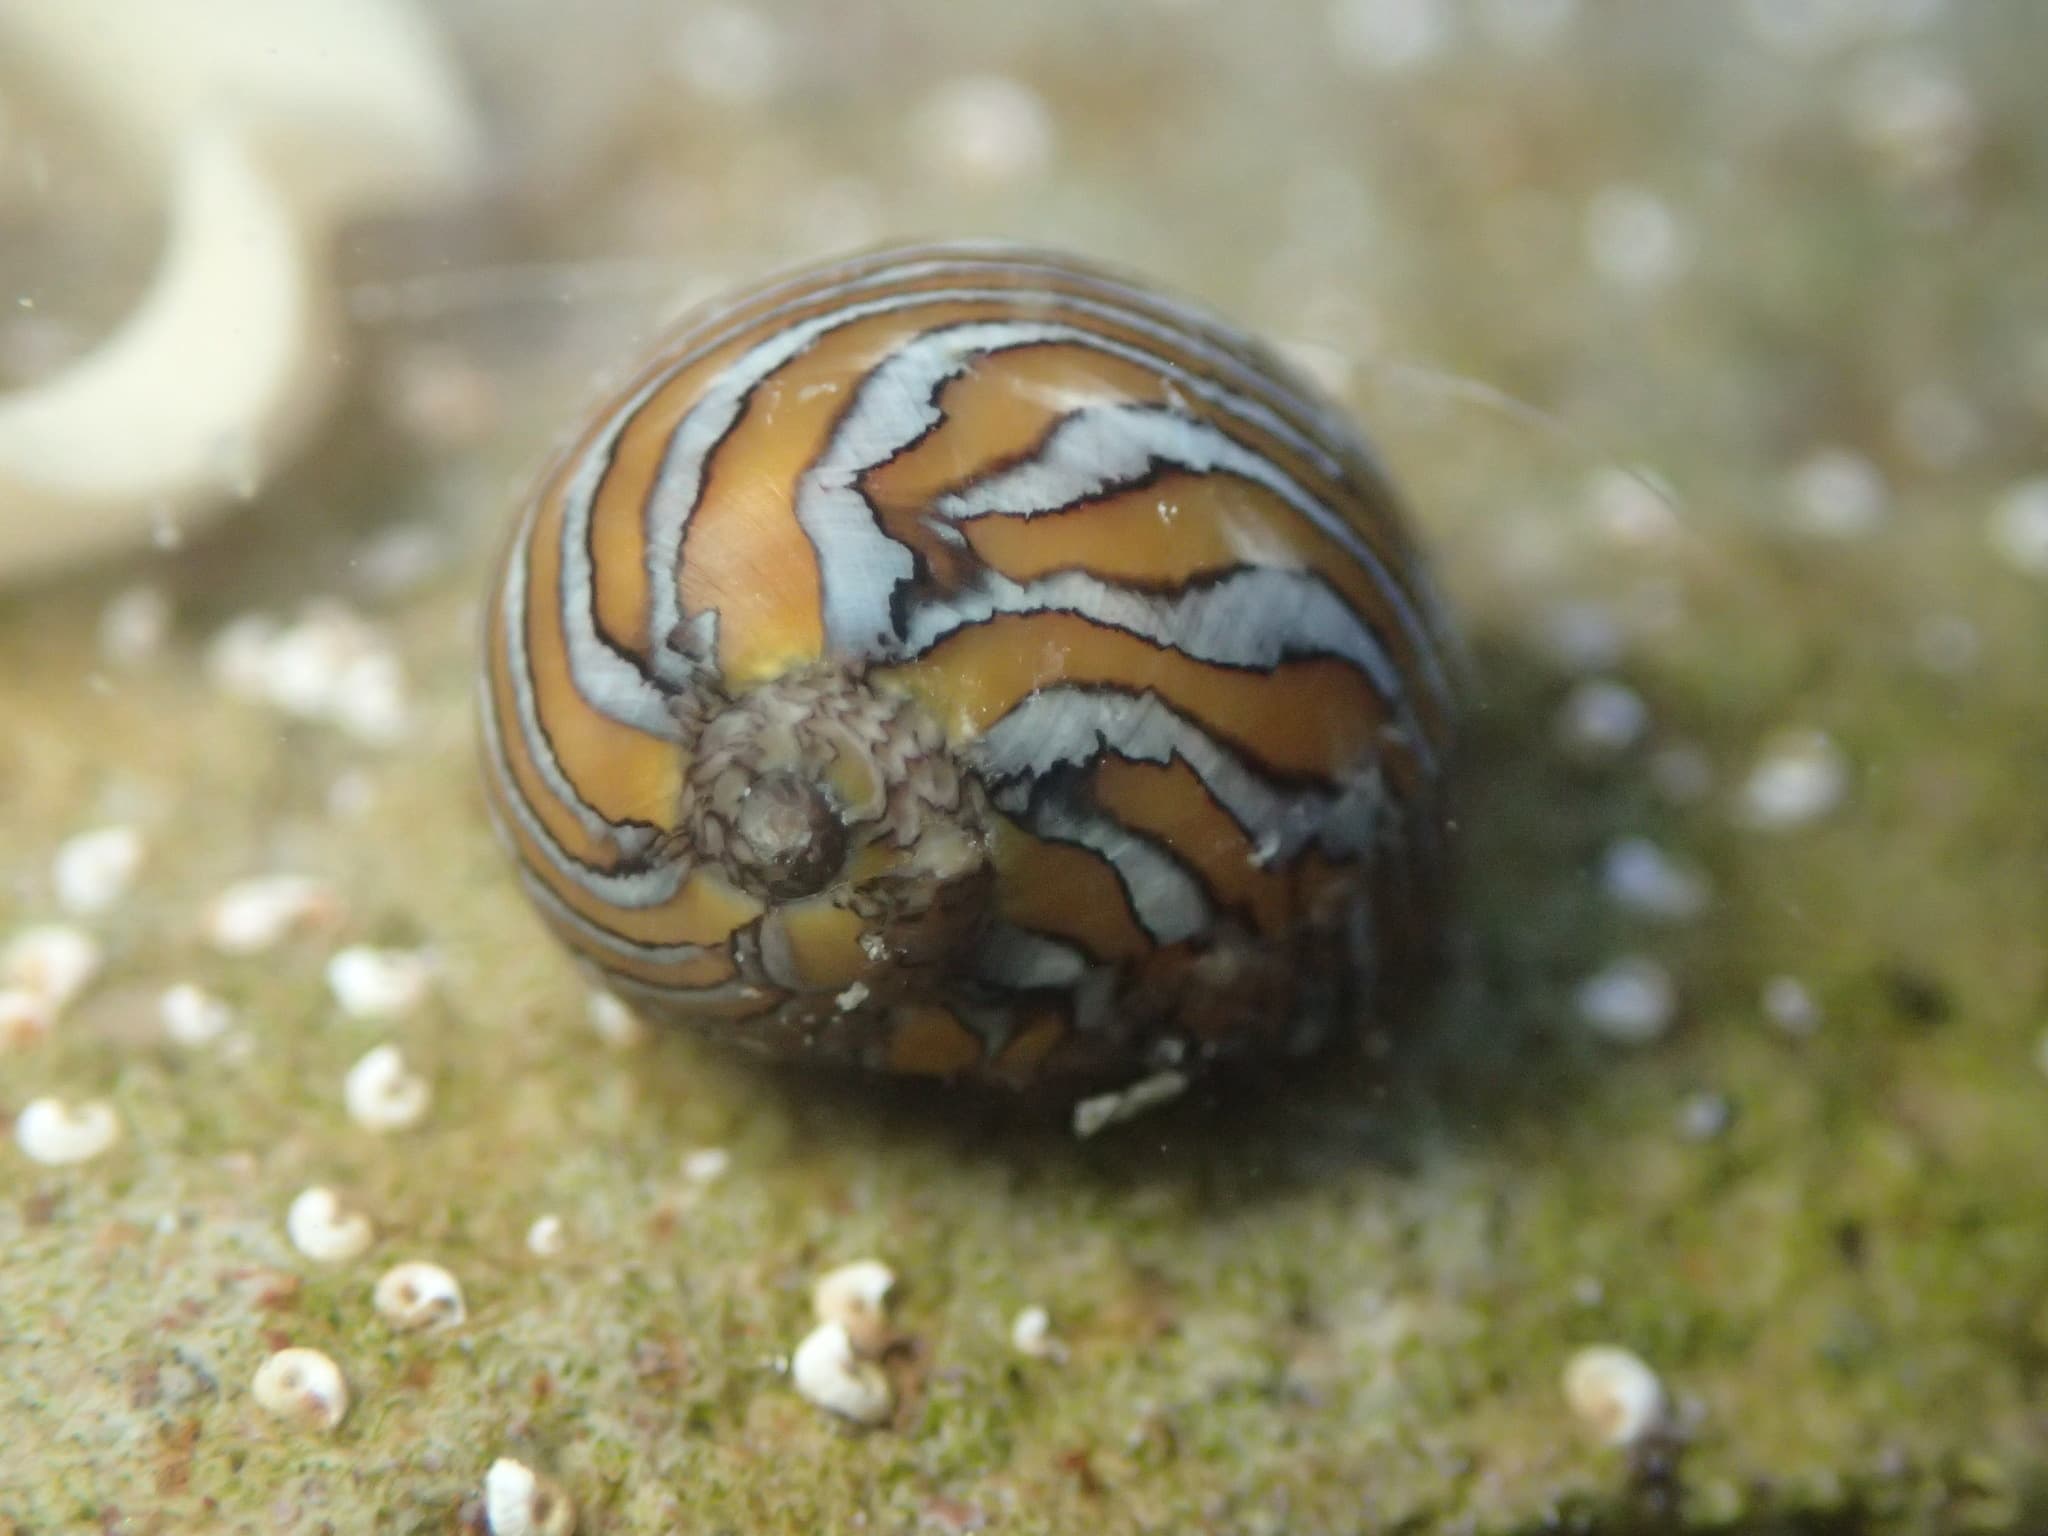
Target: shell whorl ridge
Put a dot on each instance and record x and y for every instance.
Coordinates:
(961, 661)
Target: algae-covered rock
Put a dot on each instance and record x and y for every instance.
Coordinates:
(1542, 248)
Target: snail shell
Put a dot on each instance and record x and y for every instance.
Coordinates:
(961, 661)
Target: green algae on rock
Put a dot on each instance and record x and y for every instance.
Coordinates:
(1339, 1304)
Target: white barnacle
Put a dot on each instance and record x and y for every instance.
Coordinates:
(2018, 529)
(303, 1385)
(986, 130)
(371, 983)
(1642, 878)
(370, 698)
(729, 53)
(1389, 36)
(1705, 1115)
(238, 654)
(1106, 1109)
(706, 1165)
(1800, 776)
(519, 1501)
(134, 625)
(613, 1022)
(54, 962)
(1601, 717)
(1031, 1335)
(94, 870)
(1631, 1002)
(323, 1229)
(255, 915)
(417, 1294)
(53, 1132)
(351, 796)
(856, 1296)
(829, 1373)
(1631, 506)
(304, 668)
(1634, 239)
(1615, 1394)
(1583, 638)
(382, 1094)
(1914, 115)
(1837, 493)
(1788, 1004)
(192, 1016)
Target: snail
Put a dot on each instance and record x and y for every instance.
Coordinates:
(965, 662)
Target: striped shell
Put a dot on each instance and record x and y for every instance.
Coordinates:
(960, 661)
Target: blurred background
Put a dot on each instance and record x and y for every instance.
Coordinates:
(1710, 343)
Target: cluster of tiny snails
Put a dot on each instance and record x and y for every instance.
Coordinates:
(961, 661)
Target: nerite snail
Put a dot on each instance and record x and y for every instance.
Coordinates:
(960, 661)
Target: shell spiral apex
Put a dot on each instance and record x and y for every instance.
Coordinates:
(961, 661)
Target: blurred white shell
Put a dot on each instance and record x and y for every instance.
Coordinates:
(263, 128)
(828, 1371)
(1615, 1394)
(323, 1229)
(417, 1294)
(520, 1502)
(303, 1385)
(54, 1133)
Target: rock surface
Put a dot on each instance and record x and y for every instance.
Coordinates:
(1712, 241)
